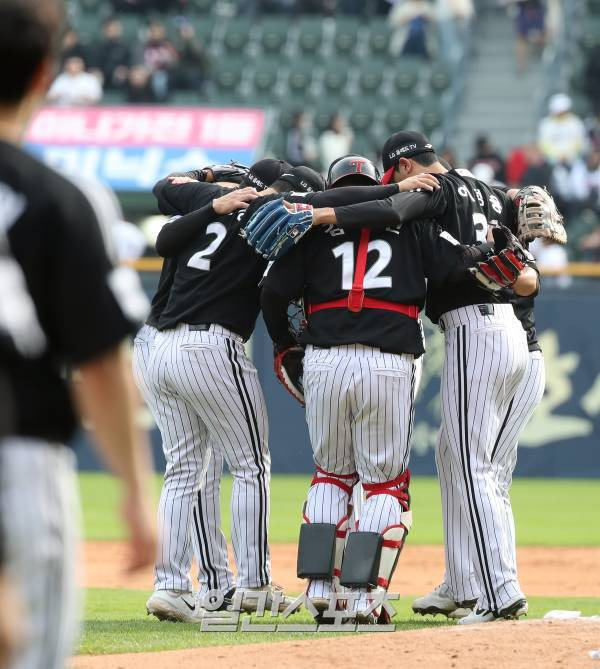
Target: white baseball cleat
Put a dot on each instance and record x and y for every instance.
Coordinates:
(175, 605)
(442, 601)
(512, 611)
(249, 599)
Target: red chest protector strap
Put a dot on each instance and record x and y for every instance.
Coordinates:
(356, 300)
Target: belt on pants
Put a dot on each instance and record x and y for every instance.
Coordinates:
(214, 328)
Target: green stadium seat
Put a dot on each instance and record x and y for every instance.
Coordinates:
(370, 79)
(227, 80)
(310, 37)
(264, 81)
(202, 6)
(204, 27)
(237, 36)
(90, 5)
(187, 98)
(114, 98)
(431, 118)
(396, 118)
(323, 113)
(286, 115)
(299, 80)
(132, 24)
(274, 36)
(335, 80)
(406, 74)
(379, 39)
(346, 37)
(361, 117)
(439, 79)
(89, 26)
(364, 145)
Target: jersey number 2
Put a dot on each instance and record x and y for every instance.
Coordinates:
(200, 259)
(373, 277)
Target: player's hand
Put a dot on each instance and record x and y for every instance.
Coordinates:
(139, 519)
(423, 181)
(11, 622)
(177, 181)
(237, 199)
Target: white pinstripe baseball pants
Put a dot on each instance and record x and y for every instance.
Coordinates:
(459, 551)
(204, 525)
(206, 379)
(486, 358)
(40, 519)
(359, 410)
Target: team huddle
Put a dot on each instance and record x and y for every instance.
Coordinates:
(362, 256)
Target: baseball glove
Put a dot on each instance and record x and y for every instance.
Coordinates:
(273, 230)
(501, 268)
(538, 216)
(232, 172)
(289, 369)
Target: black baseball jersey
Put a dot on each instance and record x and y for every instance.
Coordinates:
(217, 276)
(174, 200)
(523, 308)
(321, 269)
(462, 206)
(55, 234)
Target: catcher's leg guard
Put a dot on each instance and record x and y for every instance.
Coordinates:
(315, 513)
(372, 569)
(316, 550)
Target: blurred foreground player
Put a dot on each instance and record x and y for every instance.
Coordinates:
(71, 311)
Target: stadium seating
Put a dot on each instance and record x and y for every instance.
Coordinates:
(313, 63)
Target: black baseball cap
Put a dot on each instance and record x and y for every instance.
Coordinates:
(303, 179)
(264, 172)
(403, 144)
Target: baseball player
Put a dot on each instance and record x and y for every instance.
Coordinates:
(176, 555)
(485, 343)
(201, 377)
(54, 238)
(362, 291)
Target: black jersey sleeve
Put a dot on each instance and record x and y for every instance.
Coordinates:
(392, 211)
(177, 233)
(347, 195)
(284, 282)
(179, 199)
(444, 258)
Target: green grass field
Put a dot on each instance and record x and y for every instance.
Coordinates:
(548, 513)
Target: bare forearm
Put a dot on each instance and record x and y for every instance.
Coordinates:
(324, 216)
(108, 402)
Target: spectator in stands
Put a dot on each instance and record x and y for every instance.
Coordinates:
(335, 141)
(160, 58)
(300, 144)
(194, 65)
(411, 22)
(453, 18)
(553, 257)
(561, 135)
(484, 153)
(75, 86)
(530, 27)
(72, 47)
(538, 170)
(139, 86)
(112, 55)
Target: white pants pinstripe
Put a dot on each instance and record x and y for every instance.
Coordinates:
(209, 543)
(460, 575)
(486, 359)
(359, 410)
(40, 519)
(209, 398)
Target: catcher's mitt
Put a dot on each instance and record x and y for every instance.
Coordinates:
(273, 230)
(501, 268)
(289, 369)
(538, 216)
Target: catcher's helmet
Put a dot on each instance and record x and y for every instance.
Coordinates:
(354, 170)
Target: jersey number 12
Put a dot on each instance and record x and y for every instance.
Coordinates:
(373, 276)
(200, 260)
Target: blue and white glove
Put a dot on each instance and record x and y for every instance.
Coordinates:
(273, 230)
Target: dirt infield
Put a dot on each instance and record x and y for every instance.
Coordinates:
(522, 645)
(568, 572)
